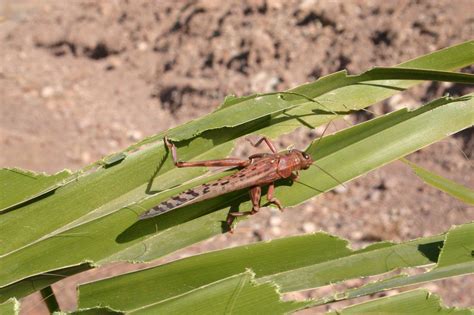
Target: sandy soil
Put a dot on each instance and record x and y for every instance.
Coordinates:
(81, 79)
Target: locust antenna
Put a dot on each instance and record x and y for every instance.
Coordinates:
(310, 99)
(327, 173)
(309, 186)
(315, 146)
(322, 135)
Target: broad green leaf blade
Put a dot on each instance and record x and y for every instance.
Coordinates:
(459, 247)
(412, 302)
(293, 263)
(98, 210)
(10, 307)
(32, 284)
(234, 295)
(456, 190)
(379, 258)
(455, 259)
(17, 185)
(174, 279)
(401, 281)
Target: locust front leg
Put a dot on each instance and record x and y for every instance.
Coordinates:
(294, 176)
(255, 196)
(208, 163)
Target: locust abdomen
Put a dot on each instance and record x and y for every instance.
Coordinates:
(192, 195)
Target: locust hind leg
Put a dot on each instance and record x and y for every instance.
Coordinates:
(255, 196)
(209, 163)
(271, 197)
(266, 140)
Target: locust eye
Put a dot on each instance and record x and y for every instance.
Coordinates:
(306, 156)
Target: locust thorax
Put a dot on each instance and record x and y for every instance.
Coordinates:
(301, 160)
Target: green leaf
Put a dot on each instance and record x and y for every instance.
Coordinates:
(175, 279)
(411, 302)
(293, 263)
(92, 219)
(10, 307)
(17, 186)
(376, 259)
(454, 189)
(459, 247)
(233, 295)
(456, 259)
(32, 284)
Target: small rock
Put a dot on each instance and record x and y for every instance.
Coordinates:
(264, 82)
(308, 208)
(275, 221)
(390, 182)
(340, 189)
(324, 211)
(375, 195)
(356, 235)
(308, 4)
(309, 227)
(142, 46)
(84, 124)
(114, 62)
(115, 126)
(47, 91)
(85, 157)
(276, 231)
(113, 143)
(394, 101)
(134, 135)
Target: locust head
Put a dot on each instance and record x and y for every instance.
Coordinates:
(305, 160)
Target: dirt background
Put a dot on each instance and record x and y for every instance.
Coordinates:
(81, 79)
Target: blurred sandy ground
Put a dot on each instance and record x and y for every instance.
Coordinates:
(82, 79)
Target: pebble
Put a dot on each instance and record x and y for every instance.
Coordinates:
(275, 221)
(340, 189)
(47, 91)
(308, 208)
(113, 143)
(375, 195)
(116, 126)
(264, 82)
(84, 124)
(309, 227)
(390, 183)
(134, 135)
(142, 46)
(276, 230)
(357, 235)
(324, 211)
(85, 157)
